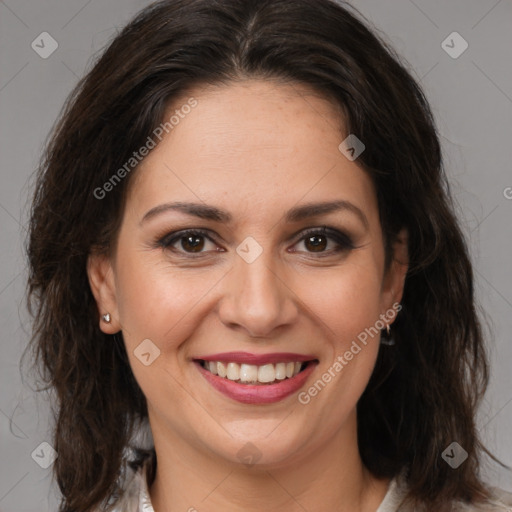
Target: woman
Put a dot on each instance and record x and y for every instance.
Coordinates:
(243, 246)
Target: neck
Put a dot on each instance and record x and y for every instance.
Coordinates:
(330, 477)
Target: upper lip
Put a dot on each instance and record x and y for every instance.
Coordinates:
(256, 359)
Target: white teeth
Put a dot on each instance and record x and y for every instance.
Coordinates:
(248, 373)
(233, 371)
(267, 373)
(221, 369)
(280, 371)
(252, 374)
(212, 366)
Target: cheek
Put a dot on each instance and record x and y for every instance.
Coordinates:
(348, 305)
(162, 303)
(347, 299)
(159, 304)
(150, 307)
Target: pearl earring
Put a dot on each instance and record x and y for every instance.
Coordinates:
(106, 318)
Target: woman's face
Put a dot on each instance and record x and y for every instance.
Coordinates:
(259, 289)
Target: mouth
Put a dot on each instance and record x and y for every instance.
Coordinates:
(250, 374)
(254, 379)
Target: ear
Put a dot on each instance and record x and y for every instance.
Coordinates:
(102, 283)
(394, 278)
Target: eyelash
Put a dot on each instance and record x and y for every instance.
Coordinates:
(343, 241)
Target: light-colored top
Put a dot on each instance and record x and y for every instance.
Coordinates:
(136, 496)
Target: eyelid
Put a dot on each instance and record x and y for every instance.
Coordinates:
(342, 239)
(170, 238)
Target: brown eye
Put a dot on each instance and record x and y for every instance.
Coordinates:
(325, 241)
(188, 242)
(316, 243)
(192, 243)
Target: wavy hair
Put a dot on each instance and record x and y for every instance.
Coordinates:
(424, 390)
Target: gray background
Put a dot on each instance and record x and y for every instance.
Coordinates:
(472, 101)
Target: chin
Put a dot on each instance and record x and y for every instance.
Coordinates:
(262, 443)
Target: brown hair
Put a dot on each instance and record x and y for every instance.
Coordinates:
(424, 390)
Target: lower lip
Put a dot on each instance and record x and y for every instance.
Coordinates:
(258, 394)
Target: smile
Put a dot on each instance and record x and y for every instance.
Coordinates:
(252, 374)
(256, 379)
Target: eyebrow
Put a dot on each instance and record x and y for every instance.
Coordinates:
(295, 214)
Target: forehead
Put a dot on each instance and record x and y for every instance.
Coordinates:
(251, 144)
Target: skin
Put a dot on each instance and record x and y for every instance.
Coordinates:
(256, 149)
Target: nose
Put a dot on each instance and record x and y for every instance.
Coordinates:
(257, 299)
